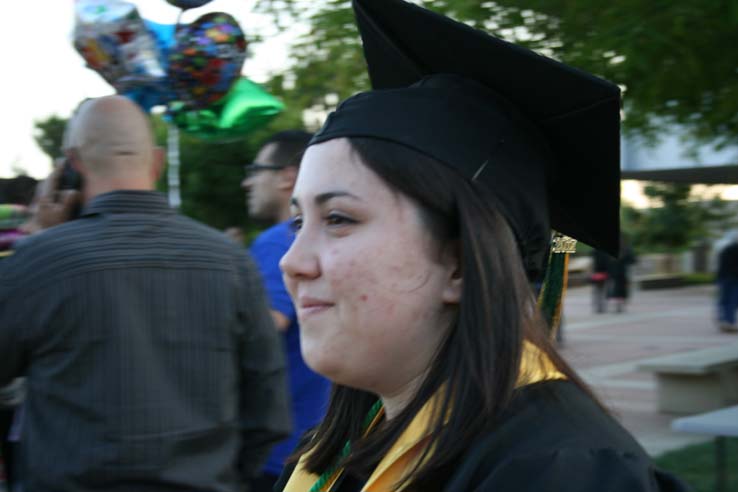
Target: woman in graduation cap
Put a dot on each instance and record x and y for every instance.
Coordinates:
(422, 212)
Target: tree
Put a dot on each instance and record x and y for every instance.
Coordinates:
(677, 219)
(674, 58)
(48, 134)
(670, 56)
(673, 224)
(211, 171)
(327, 61)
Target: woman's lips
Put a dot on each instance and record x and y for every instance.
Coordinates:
(309, 306)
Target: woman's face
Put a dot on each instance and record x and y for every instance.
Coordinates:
(374, 295)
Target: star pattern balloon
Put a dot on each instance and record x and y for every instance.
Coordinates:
(188, 4)
(206, 59)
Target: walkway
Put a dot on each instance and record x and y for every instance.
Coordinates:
(606, 348)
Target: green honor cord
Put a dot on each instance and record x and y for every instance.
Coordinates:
(328, 477)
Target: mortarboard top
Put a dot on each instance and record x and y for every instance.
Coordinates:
(541, 136)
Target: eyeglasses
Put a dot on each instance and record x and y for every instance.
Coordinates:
(254, 168)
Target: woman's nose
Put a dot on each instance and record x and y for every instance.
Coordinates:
(301, 261)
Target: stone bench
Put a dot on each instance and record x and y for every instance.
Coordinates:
(696, 381)
(662, 281)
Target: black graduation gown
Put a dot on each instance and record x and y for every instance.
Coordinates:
(553, 437)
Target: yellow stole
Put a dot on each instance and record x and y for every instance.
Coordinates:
(409, 447)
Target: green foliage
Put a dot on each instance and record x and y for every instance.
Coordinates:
(327, 61)
(696, 465)
(48, 134)
(211, 172)
(699, 278)
(676, 219)
(631, 221)
(673, 57)
(720, 214)
(676, 222)
(583, 249)
(669, 55)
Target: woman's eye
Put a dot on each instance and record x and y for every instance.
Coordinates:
(331, 220)
(296, 223)
(335, 219)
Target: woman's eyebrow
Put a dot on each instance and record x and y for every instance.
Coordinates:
(328, 195)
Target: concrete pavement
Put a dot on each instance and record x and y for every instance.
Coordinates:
(605, 349)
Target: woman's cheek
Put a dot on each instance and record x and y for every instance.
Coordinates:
(325, 349)
(348, 279)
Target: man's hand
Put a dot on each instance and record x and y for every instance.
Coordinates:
(50, 206)
(281, 322)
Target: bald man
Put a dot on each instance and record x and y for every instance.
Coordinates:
(151, 358)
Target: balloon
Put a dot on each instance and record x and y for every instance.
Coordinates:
(206, 59)
(115, 42)
(164, 37)
(7, 238)
(188, 4)
(12, 215)
(246, 107)
(150, 95)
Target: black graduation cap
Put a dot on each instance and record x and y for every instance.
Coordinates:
(543, 137)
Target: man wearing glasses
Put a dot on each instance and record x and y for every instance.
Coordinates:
(269, 183)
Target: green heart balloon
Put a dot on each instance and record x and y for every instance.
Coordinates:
(246, 107)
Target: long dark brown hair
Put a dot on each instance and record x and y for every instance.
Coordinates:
(479, 358)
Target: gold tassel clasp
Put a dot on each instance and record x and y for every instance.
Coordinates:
(564, 244)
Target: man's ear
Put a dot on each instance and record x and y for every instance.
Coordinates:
(454, 280)
(288, 178)
(158, 163)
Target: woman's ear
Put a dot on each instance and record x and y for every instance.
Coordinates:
(454, 281)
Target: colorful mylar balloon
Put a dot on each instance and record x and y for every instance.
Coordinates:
(246, 107)
(206, 59)
(11, 217)
(115, 42)
(164, 37)
(150, 95)
(188, 4)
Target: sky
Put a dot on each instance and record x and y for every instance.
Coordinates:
(43, 74)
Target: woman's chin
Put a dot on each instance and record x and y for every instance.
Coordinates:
(325, 364)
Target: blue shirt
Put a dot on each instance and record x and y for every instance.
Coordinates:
(309, 390)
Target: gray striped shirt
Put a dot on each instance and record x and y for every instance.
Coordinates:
(150, 355)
